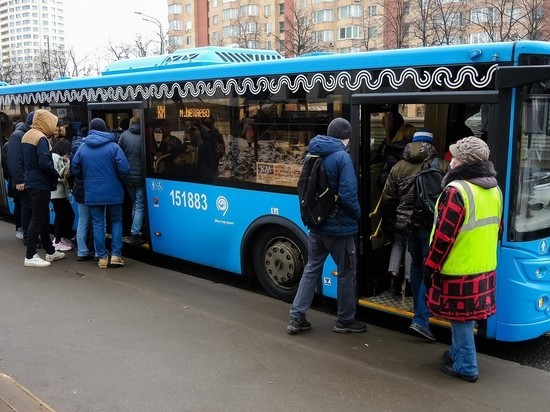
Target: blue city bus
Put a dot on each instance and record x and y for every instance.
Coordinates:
(225, 131)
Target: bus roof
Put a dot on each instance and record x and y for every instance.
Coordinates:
(209, 64)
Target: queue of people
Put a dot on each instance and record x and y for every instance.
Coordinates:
(41, 166)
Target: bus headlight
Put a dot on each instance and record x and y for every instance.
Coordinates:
(542, 303)
(541, 272)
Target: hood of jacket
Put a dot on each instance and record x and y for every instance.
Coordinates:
(134, 128)
(479, 173)
(44, 122)
(418, 152)
(24, 127)
(324, 145)
(98, 138)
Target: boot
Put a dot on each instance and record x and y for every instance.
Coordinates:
(396, 285)
(408, 290)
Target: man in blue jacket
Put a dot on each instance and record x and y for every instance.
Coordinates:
(335, 236)
(103, 165)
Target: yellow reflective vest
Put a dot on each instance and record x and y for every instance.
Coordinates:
(475, 248)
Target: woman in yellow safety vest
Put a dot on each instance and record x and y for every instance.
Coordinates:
(462, 258)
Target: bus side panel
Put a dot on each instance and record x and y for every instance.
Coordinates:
(522, 287)
(205, 224)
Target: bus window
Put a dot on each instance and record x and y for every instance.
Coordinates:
(532, 204)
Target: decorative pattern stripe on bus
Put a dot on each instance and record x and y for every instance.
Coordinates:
(441, 76)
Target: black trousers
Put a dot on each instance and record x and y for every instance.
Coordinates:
(40, 220)
(64, 218)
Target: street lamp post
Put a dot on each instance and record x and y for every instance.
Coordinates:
(153, 20)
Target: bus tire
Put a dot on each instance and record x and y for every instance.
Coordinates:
(279, 260)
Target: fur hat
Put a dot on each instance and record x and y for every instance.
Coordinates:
(98, 124)
(423, 135)
(339, 128)
(470, 150)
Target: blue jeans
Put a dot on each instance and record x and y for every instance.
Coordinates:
(463, 348)
(98, 224)
(342, 250)
(137, 193)
(418, 243)
(82, 229)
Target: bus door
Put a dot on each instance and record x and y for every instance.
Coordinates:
(384, 124)
(117, 118)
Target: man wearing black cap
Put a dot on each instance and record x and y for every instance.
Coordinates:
(335, 236)
(104, 167)
(16, 168)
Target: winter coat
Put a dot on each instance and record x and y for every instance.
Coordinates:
(131, 143)
(393, 153)
(468, 297)
(6, 170)
(15, 154)
(398, 197)
(40, 174)
(104, 167)
(78, 188)
(342, 179)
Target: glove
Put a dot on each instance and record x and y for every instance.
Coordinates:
(428, 272)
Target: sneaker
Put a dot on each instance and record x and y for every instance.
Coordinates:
(448, 369)
(85, 257)
(61, 246)
(19, 233)
(55, 256)
(36, 261)
(103, 263)
(116, 261)
(447, 358)
(67, 242)
(422, 331)
(296, 326)
(354, 327)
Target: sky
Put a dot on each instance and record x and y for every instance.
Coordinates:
(89, 24)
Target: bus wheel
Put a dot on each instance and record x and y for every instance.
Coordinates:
(279, 260)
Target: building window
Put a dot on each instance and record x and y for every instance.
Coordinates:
(320, 16)
(249, 10)
(372, 11)
(175, 9)
(373, 32)
(479, 38)
(267, 10)
(282, 8)
(347, 12)
(229, 14)
(351, 32)
(281, 27)
(175, 24)
(268, 28)
(215, 19)
(323, 36)
(174, 40)
(188, 8)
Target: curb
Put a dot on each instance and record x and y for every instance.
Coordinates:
(15, 397)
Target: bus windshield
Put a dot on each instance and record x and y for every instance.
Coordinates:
(531, 208)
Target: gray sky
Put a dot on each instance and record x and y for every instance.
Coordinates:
(89, 24)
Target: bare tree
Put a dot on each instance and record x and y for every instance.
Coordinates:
(422, 24)
(299, 35)
(246, 32)
(447, 24)
(497, 19)
(395, 25)
(371, 25)
(535, 20)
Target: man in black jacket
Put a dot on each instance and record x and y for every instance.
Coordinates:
(17, 176)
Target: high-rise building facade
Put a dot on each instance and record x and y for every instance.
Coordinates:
(32, 40)
(296, 27)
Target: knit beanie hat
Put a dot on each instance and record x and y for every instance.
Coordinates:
(339, 128)
(470, 150)
(98, 124)
(423, 135)
(30, 118)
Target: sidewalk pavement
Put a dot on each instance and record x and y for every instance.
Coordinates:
(17, 398)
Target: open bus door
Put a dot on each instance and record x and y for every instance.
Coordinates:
(117, 117)
(437, 111)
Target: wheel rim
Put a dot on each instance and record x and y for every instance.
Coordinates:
(283, 263)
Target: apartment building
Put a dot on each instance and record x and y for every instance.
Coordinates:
(302, 26)
(32, 39)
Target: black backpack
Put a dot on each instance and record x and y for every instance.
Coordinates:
(427, 190)
(317, 199)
